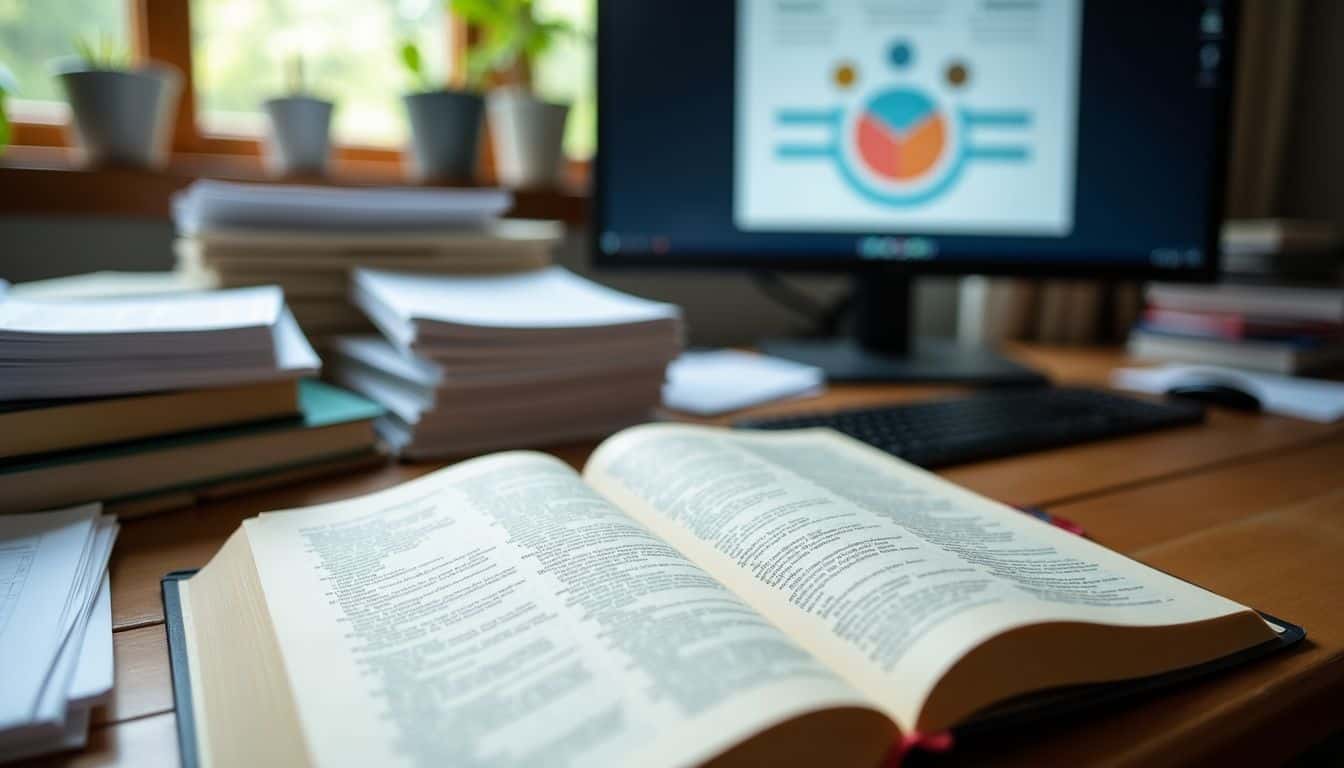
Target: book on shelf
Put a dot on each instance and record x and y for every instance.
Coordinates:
(695, 594)
(1284, 302)
(1277, 328)
(1234, 327)
(1291, 356)
(1243, 236)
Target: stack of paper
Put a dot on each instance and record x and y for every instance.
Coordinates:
(70, 347)
(137, 398)
(476, 363)
(55, 627)
(308, 239)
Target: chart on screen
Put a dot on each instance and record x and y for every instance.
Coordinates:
(903, 116)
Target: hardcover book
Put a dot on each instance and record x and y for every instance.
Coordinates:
(696, 594)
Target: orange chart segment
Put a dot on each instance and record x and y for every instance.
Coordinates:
(922, 147)
(900, 136)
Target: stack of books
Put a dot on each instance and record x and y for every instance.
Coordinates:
(149, 402)
(466, 364)
(55, 627)
(308, 239)
(1275, 328)
(1292, 249)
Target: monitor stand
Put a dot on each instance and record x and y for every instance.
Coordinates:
(882, 348)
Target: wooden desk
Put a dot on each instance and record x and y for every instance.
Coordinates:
(1249, 506)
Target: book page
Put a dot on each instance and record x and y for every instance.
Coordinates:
(501, 613)
(884, 571)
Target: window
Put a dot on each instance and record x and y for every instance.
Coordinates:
(566, 73)
(242, 49)
(34, 34)
(239, 53)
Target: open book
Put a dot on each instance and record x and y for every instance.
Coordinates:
(755, 598)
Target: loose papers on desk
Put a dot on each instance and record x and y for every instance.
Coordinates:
(709, 382)
(55, 627)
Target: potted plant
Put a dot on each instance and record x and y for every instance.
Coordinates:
(119, 115)
(527, 133)
(7, 86)
(298, 134)
(445, 124)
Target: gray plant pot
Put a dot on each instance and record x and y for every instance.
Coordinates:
(298, 135)
(122, 117)
(445, 134)
(528, 137)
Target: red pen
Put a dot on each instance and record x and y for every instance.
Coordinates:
(1058, 522)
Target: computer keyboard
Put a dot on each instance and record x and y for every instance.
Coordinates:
(995, 423)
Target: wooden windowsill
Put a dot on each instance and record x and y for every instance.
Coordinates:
(48, 181)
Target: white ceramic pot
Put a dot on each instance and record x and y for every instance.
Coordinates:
(528, 137)
(121, 117)
(298, 135)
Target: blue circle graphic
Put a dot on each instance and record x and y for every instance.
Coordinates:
(901, 54)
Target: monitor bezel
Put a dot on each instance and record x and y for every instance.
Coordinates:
(1081, 265)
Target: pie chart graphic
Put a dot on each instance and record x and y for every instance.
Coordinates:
(900, 135)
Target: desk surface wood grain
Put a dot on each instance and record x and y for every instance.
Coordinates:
(1250, 506)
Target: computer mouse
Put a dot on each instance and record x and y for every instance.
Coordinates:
(1216, 393)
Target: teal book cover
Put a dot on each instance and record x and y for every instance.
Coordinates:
(322, 405)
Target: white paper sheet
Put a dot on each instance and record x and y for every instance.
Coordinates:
(544, 299)
(376, 352)
(53, 704)
(712, 382)
(95, 674)
(294, 356)
(257, 307)
(1311, 399)
(42, 557)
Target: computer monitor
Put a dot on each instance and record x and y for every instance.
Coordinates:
(890, 138)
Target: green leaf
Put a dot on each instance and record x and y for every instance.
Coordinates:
(485, 14)
(100, 52)
(85, 51)
(415, 64)
(4, 119)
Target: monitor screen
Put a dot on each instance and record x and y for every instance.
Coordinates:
(1002, 136)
